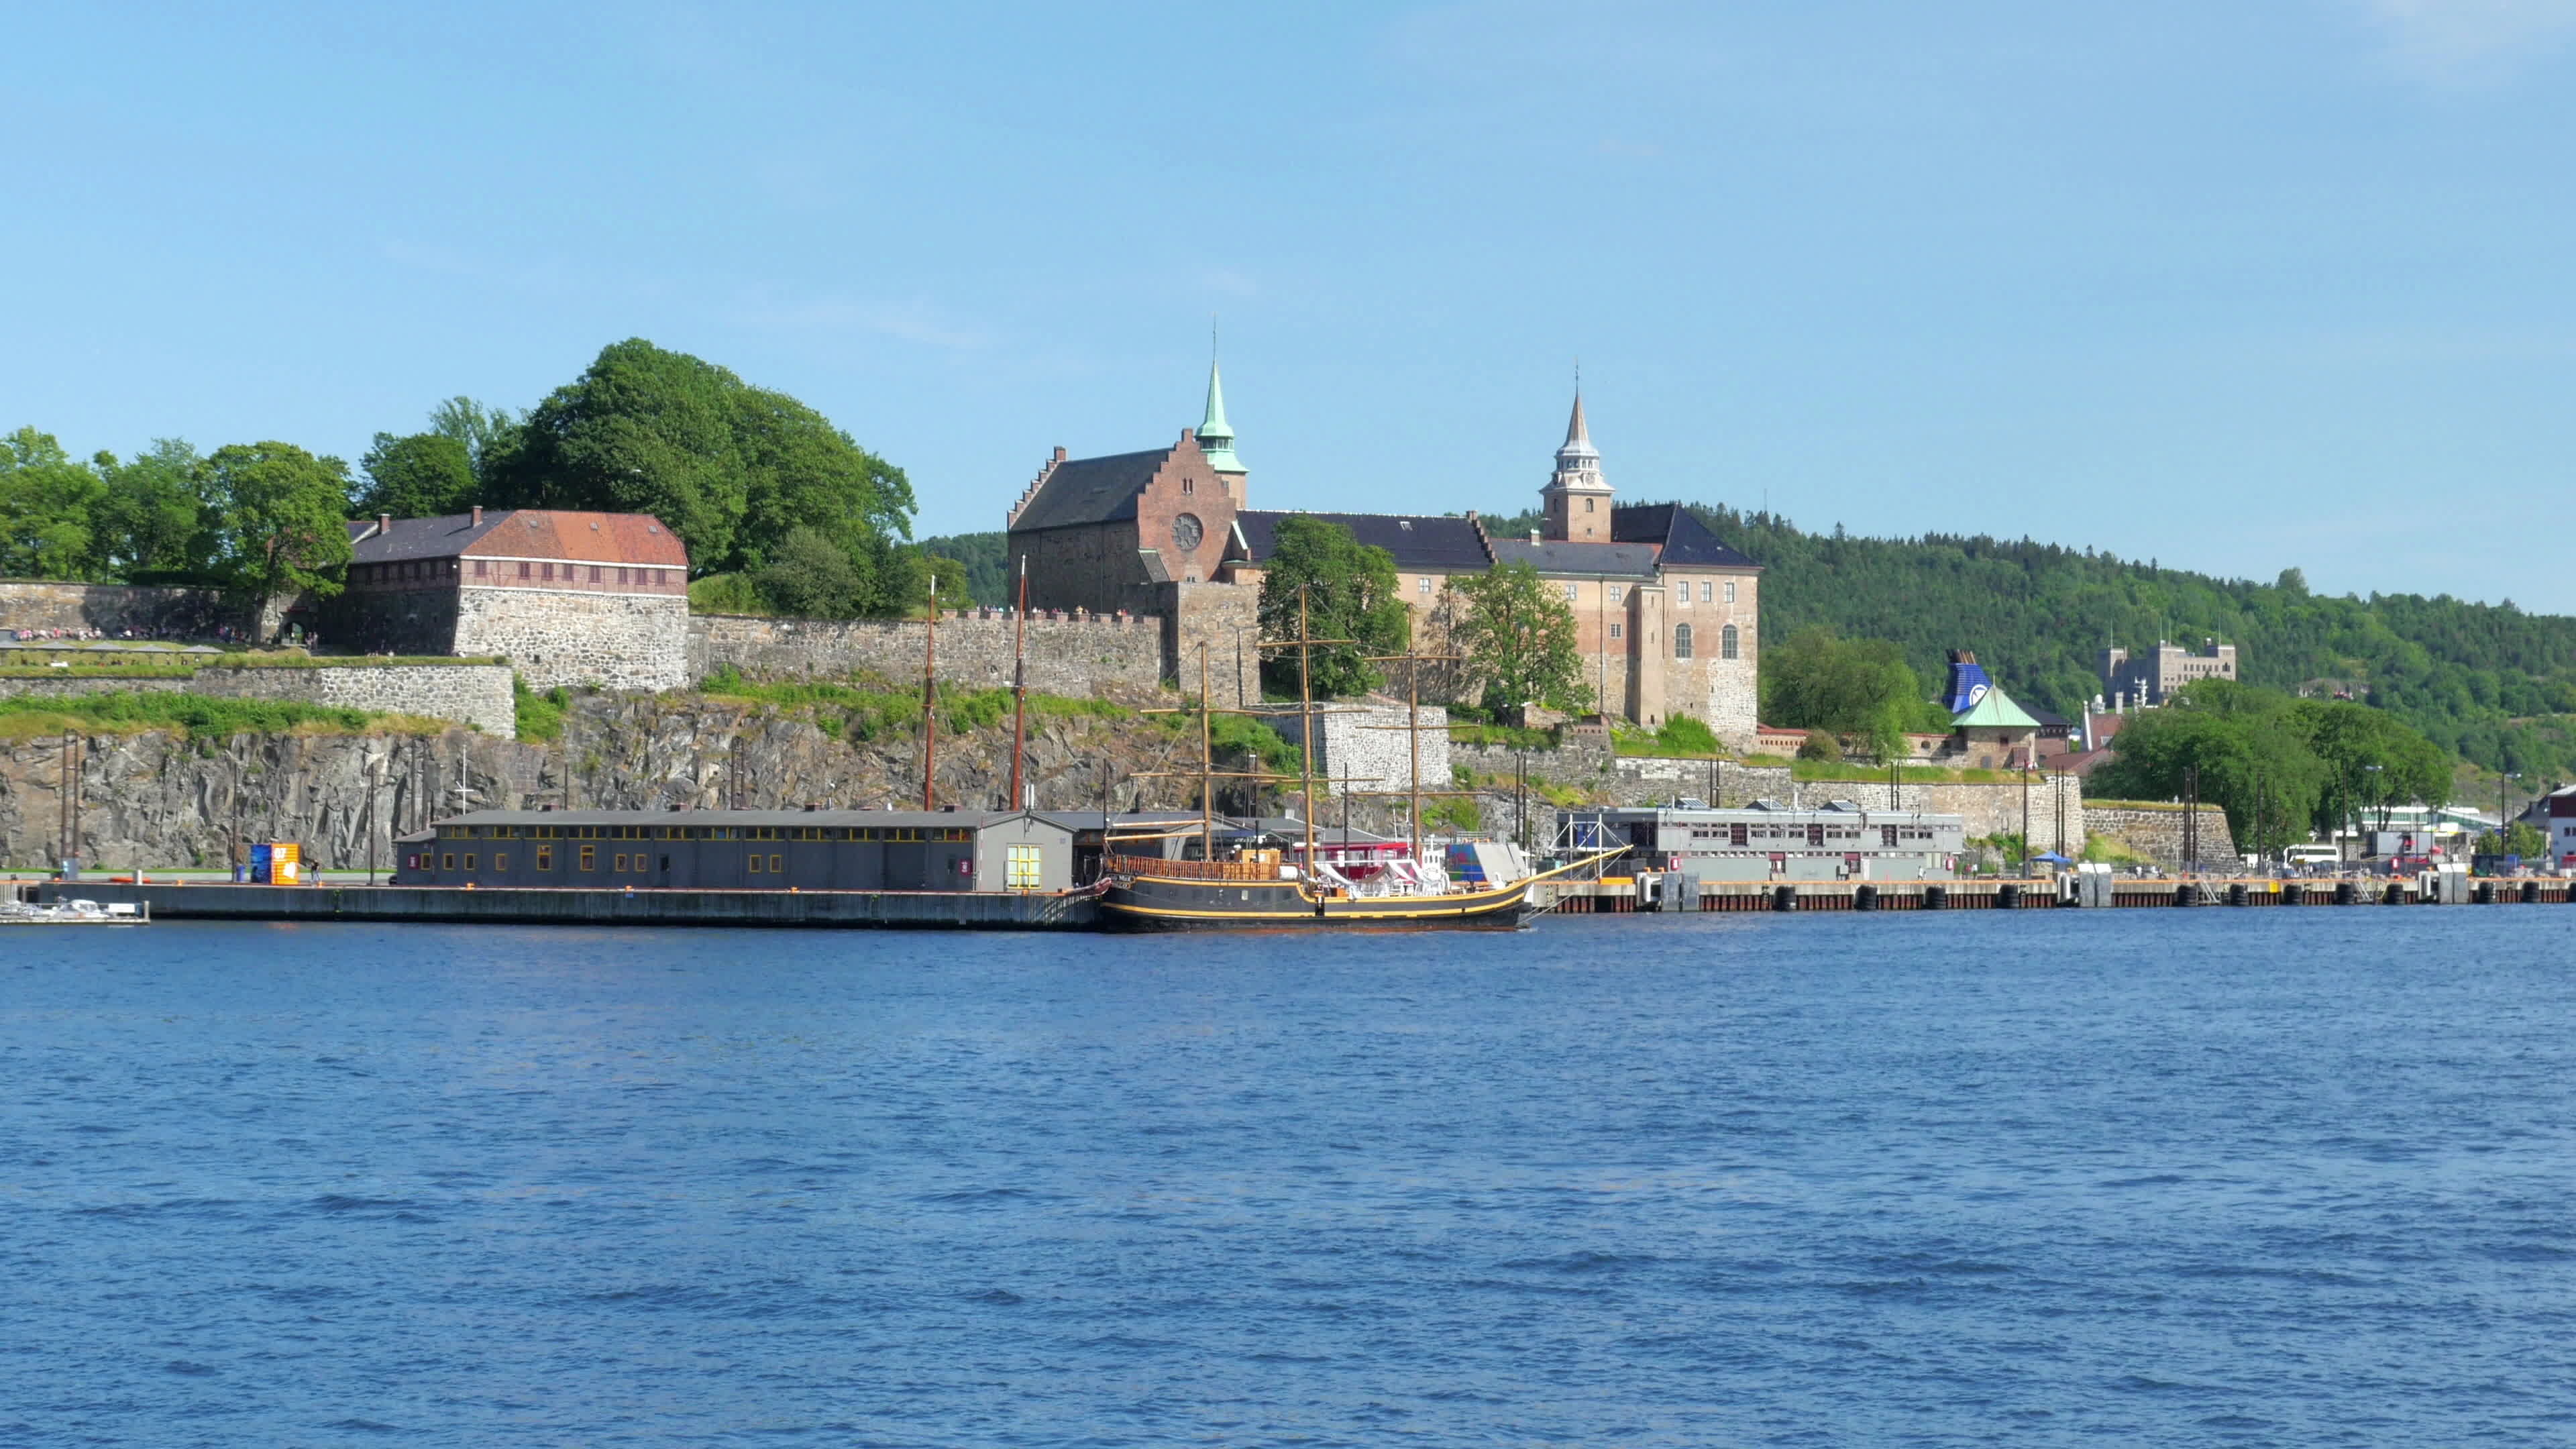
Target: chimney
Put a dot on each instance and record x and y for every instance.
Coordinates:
(478, 515)
(1059, 454)
(1533, 535)
(1471, 515)
(384, 524)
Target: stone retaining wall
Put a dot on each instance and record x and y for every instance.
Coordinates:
(470, 694)
(2155, 831)
(1075, 656)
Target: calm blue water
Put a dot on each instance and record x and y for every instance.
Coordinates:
(2281, 1177)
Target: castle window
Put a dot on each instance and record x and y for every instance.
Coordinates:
(1587, 505)
(1730, 591)
(1614, 593)
(523, 568)
(1706, 586)
(1681, 593)
(1726, 642)
(1426, 586)
(1681, 641)
(1189, 485)
(1616, 631)
(1569, 593)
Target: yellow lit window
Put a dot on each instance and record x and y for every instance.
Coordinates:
(1024, 868)
(590, 857)
(545, 857)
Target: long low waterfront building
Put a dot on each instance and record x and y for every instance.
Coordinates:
(814, 850)
(1770, 841)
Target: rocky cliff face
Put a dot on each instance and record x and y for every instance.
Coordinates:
(163, 800)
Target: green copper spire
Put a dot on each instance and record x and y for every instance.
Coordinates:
(1216, 435)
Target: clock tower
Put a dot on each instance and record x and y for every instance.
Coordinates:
(1577, 498)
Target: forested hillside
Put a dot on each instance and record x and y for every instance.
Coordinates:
(2491, 682)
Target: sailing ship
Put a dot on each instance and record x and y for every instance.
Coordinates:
(1252, 881)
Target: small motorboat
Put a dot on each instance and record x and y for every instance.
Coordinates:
(74, 913)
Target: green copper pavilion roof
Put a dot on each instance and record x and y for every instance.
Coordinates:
(1216, 435)
(1995, 711)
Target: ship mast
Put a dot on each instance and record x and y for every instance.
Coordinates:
(1020, 686)
(1412, 726)
(1306, 735)
(930, 702)
(1207, 766)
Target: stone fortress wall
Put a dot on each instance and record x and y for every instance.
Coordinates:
(564, 637)
(1075, 655)
(1368, 747)
(113, 608)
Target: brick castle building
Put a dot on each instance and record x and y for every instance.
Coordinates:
(1667, 614)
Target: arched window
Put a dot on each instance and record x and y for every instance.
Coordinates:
(1726, 642)
(1681, 641)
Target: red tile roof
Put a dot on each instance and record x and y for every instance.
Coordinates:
(536, 533)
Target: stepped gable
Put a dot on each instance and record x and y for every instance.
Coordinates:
(1681, 540)
(1078, 491)
(1420, 544)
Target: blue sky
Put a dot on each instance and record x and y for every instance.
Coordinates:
(2236, 286)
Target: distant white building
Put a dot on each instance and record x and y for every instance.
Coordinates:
(2162, 672)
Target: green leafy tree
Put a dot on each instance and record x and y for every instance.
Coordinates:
(1818, 680)
(2524, 839)
(279, 518)
(952, 579)
(490, 436)
(420, 476)
(641, 431)
(152, 523)
(992, 579)
(2252, 752)
(811, 577)
(1350, 592)
(1517, 638)
(48, 509)
(733, 469)
(803, 470)
(2371, 759)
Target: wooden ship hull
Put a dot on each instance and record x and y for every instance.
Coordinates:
(1157, 902)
